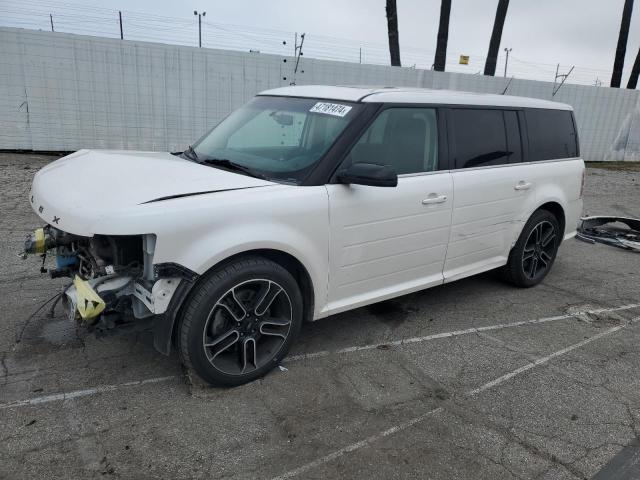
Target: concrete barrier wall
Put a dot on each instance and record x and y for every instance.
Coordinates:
(65, 92)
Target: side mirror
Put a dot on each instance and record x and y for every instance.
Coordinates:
(369, 174)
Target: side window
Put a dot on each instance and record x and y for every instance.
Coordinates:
(405, 138)
(551, 134)
(480, 137)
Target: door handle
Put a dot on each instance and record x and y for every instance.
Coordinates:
(434, 199)
(522, 185)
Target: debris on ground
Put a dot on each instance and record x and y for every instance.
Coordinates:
(621, 232)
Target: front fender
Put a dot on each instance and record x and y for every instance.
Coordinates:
(293, 220)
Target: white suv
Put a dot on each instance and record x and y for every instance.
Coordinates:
(308, 201)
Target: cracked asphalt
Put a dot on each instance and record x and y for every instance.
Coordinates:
(491, 381)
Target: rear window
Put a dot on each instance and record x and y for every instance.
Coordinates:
(552, 134)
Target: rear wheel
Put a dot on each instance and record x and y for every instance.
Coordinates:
(241, 321)
(535, 251)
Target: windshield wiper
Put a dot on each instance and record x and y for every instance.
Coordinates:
(233, 166)
(190, 154)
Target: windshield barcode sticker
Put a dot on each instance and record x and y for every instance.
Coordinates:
(330, 109)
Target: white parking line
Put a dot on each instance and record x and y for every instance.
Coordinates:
(540, 361)
(82, 393)
(456, 333)
(357, 445)
(110, 388)
(409, 423)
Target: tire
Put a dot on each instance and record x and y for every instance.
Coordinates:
(240, 321)
(535, 251)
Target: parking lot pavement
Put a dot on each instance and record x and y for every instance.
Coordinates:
(474, 379)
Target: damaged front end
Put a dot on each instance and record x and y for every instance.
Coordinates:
(114, 281)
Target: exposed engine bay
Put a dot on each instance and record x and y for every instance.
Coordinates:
(113, 279)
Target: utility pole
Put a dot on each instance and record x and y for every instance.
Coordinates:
(563, 76)
(635, 73)
(200, 15)
(496, 36)
(360, 54)
(51, 19)
(392, 31)
(506, 60)
(621, 48)
(440, 59)
(120, 15)
(297, 54)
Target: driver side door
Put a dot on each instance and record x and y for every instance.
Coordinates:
(386, 242)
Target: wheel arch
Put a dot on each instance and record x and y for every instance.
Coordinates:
(557, 210)
(553, 206)
(293, 265)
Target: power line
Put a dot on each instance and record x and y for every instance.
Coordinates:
(76, 18)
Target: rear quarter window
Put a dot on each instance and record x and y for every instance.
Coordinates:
(483, 138)
(552, 134)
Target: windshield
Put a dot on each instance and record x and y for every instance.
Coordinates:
(279, 138)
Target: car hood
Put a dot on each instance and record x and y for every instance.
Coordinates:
(93, 183)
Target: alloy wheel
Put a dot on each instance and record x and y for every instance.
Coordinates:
(247, 326)
(539, 249)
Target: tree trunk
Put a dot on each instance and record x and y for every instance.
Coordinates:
(621, 49)
(392, 26)
(635, 72)
(496, 36)
(443, 36)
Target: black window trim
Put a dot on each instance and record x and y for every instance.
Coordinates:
(325, 171)
(575, 135)
(326, 167)
(520, 134)
(443, 155)
(575, 132)
(523, 140)
(524, 135)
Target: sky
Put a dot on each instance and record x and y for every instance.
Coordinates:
(541, 33)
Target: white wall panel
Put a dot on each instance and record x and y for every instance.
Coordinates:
(65, 92)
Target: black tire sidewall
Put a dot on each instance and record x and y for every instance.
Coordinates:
(209, 291)
(515, 267)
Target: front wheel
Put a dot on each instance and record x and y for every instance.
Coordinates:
(535, 251)
(241, 321)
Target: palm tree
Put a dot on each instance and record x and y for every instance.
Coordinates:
(635, 72)
(496, 36)
(621, 49)
(392, 27)
(443, 36)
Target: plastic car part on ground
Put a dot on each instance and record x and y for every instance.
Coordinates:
(621, 232)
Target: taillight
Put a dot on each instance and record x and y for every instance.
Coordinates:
(584, 178)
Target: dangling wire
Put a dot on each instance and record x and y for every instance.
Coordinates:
(26, 323)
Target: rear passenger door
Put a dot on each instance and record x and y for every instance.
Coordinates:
(491, 188)
(390, 241)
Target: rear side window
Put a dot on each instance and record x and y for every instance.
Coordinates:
(552, 134)
(485, 137)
